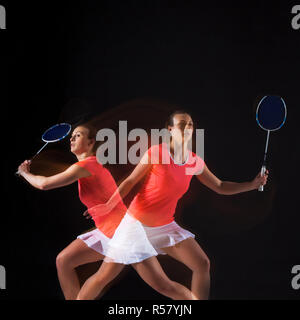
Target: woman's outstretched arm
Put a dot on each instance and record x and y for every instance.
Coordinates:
(70, 175)
(229, 187)
(124, 188)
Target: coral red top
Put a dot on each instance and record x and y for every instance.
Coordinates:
(96, 189)
(165, 184)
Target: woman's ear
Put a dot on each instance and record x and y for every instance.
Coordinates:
(92, 141)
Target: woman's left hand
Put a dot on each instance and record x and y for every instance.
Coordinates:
(24, 167)
(96, 211)
(260, 180)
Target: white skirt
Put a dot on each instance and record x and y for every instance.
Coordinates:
(134, 242)
(96, 240)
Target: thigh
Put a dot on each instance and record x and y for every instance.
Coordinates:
(109, 270)
(78, 253)
(188, 252)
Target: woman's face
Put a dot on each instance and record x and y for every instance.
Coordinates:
(182, 129)
(80, 142)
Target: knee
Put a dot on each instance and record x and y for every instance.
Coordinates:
(63, 260)
(202, 265)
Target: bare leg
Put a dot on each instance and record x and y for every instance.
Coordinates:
(152, 273)
(149, 270)
(74, 255)
(96, 283)
(190, 253)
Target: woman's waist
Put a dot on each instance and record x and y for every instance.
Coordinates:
(150, 219)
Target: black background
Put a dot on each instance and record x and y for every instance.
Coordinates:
(217, 59)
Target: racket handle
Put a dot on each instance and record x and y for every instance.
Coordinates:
(262, 172)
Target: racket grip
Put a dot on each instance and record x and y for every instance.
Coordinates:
(262, 172)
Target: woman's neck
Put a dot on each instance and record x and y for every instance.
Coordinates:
(179, 151)
(84, 155)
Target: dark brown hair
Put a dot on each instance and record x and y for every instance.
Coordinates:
(91, 135)
(170, 120)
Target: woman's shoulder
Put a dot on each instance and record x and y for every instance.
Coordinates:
(90, 162)
(196, 162)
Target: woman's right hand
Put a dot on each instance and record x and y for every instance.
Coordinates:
(24, 167)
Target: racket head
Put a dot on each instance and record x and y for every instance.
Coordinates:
(56, 132)
(271, 113)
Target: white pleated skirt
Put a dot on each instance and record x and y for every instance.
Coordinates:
(95, 240)
(134, 242)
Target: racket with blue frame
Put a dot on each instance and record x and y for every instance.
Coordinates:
(271, 115)
(54, 134)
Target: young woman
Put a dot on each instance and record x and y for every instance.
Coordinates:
(148, 228)
(96, 185)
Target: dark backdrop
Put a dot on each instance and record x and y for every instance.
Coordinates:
(79, 59)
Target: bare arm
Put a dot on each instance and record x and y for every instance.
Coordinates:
(125, 187)
(73, 173)
(228, 187)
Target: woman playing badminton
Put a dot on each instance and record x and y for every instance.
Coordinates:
(148, 228)
(96, 185)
